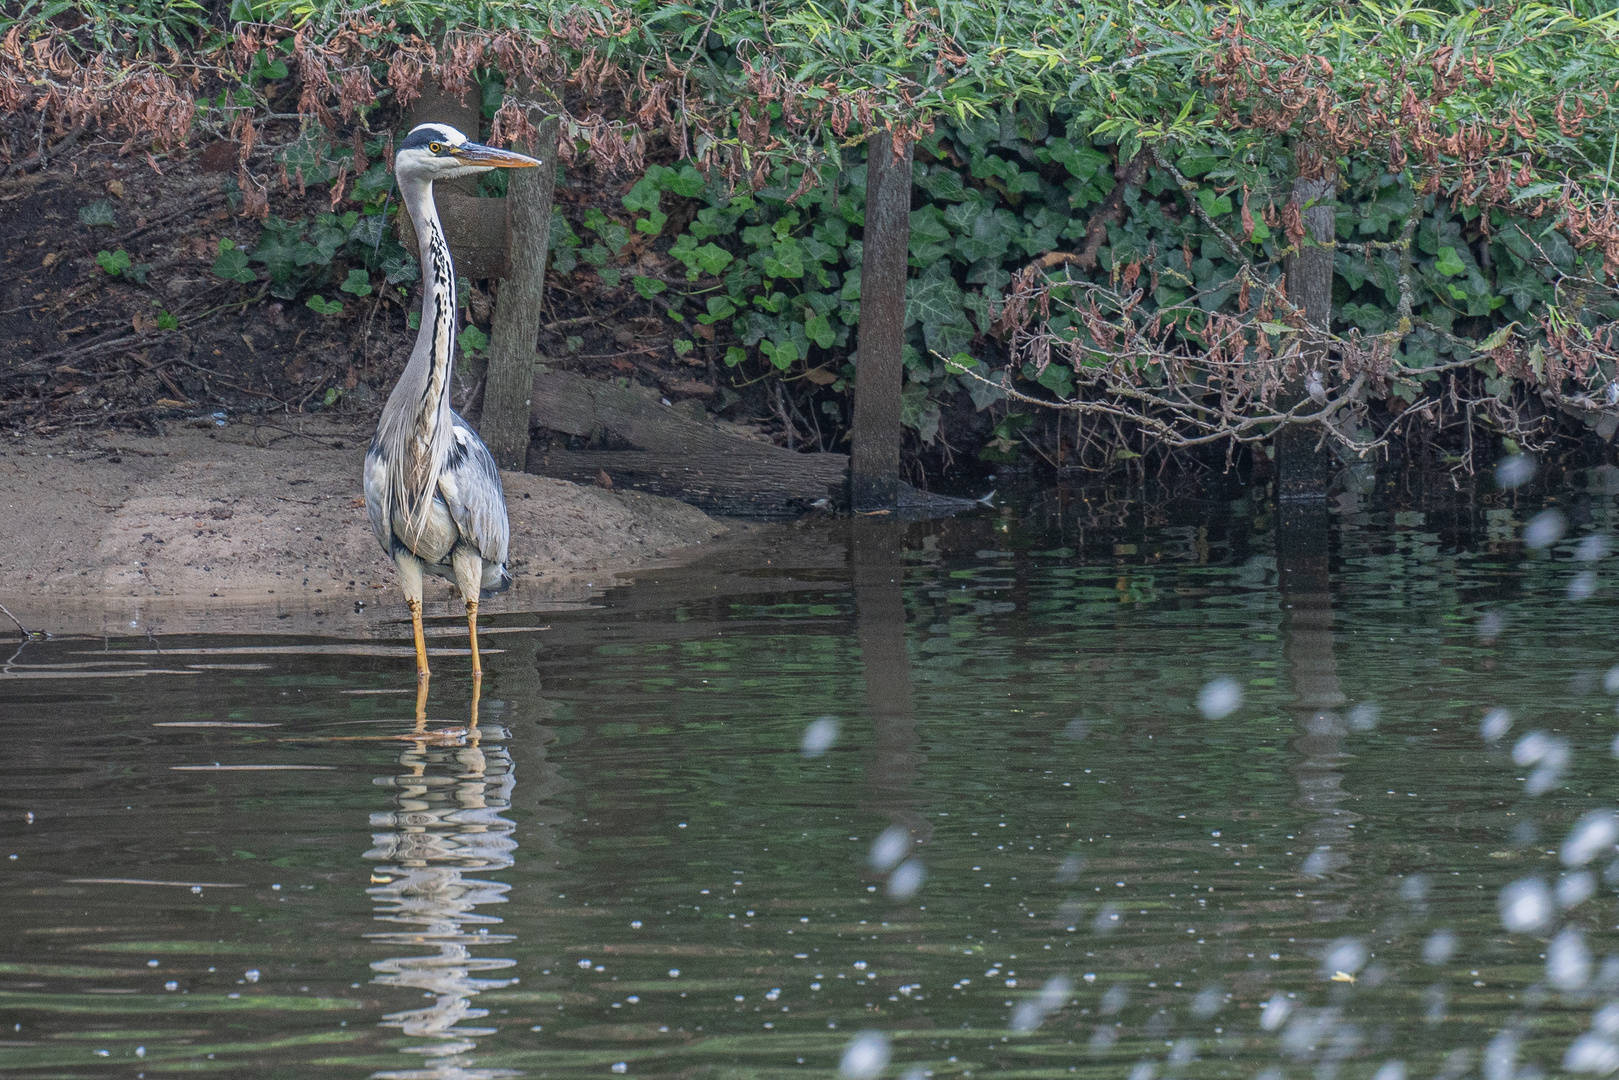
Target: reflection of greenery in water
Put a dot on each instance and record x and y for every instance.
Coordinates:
(653, 776)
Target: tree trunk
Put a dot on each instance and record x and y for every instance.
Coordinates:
(879, 365)
(1302, 471)
(515, 332)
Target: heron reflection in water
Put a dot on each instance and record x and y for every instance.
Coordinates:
(432, 489)
(449, 795)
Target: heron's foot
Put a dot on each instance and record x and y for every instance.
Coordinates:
(416, 631)
(472, 632)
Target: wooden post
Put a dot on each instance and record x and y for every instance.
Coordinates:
(473, 227)
(1302, 471)
(436, 105)
(515, 331)
(879, 365)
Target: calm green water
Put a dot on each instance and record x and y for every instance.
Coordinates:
(631, 865)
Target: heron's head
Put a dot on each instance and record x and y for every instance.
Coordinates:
(438, 152)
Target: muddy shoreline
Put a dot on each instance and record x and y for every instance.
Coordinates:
(261, 528)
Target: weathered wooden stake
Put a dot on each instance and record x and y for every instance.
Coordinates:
(1302, 471)
(515, 331)
(436, 105)
(879, 365)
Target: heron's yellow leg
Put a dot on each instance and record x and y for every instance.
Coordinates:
(421, 704)
(410, 582)
(421, 645)
(477, 690)
(472, 631)
(468, 574)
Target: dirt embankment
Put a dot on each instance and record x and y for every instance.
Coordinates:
(236, 526)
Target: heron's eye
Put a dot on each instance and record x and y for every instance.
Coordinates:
(435, 148)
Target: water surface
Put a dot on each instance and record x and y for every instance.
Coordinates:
(252, 857)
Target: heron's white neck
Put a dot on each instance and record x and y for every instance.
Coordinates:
(437, 331)
(437, 292)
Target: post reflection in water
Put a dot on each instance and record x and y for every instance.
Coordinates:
(877, 566)
(447, 823)
(1302, 538)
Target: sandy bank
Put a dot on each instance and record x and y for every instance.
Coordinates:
(232, 528)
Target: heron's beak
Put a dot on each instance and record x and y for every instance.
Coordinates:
(471, 153)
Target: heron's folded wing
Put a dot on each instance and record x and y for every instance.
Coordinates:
(470, 484)
(376, 497)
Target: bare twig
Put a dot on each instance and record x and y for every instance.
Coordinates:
(28, 635)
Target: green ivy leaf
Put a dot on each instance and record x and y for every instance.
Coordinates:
(113, 262)
(786, 260)
(932, 301)
(1450, 264)
(919, 411)
(1196, 162)
(97, 213)
(472, 340)
(264, 67)
(820, 331)
(688, 182)
(719, 307)
(783, 354)
(1213, 205)
(232, 263)
(165, 321)
(712, 259)
(734, 355)
(928, 226)
(1059, 380)
(358, 283)
(323, 306)
(644, 196)
(648, 287)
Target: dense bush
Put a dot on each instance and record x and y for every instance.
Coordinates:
(1106, 199)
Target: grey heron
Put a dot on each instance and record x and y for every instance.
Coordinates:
(432, 488)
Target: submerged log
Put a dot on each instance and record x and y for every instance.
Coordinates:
(675, 454)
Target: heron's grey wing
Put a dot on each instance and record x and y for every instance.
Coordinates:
(376, 496)
(470, 484)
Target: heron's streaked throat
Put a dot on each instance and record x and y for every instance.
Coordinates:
(433, 366)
